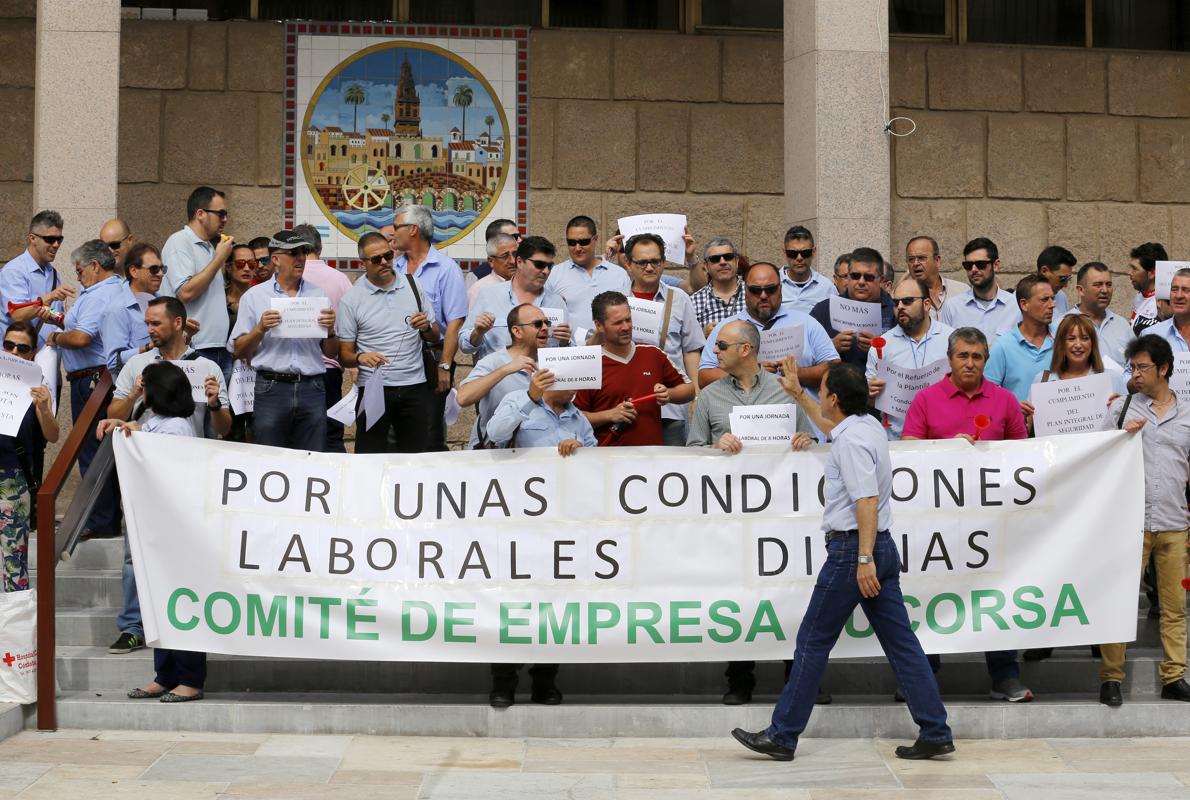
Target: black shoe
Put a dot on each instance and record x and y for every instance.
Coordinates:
(546, 693)
(1178, 690)
(1096, 652)
(737, 696)
(898, 696)
(823, 698)
(1109, 694)
(1154, 612)
(95, 533)
(502, 696)
(761, 743)
(126, 643)
(1038, 653)
(919, 750)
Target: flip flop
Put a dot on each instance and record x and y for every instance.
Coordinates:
(170, 697)
(142, 694)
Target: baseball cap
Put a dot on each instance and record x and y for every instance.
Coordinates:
(287, 240)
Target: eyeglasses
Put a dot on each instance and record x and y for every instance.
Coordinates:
(722, 345)
(161, 269)
(50, 239)
(502, 256)
(1135, 367)
(380, 258)
(542, 265)
(803, 253)
(981, 264)
(404, 225)
(916, 259)
(537, 323)
(866, 277)
(114, 245)
(655, 263)
(757, 291)
(578, 242)
(20, 347)
(715, 259)
(219, 212)
(244, 263)
(906, 301)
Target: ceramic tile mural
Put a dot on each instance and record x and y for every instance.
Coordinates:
(377, 115)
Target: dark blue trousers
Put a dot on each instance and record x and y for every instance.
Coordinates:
(179, 668)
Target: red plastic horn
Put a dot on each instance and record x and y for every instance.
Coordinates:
(1186, 584)
(636, 401)
(27, 304)
(879, 344)
(982, 423)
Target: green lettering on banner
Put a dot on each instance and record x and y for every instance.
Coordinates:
(407, 608)
(635, 611)
(765, 621)
(299, 617)
(171, 609)
(551, 630)
(232, 603)
(733, 625)
(960, 615)
(1069, 597)
(676, 621)
(275, 618)
(324, 607)
(594, 623)
(854, 632)
(912, 602)
(450, 619)
(506, 622)
(978, 612)
(354, 618)
(1018, 597)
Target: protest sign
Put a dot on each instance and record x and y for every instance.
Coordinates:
(1163, 276)
(50, 362)
(670, 227)
(299, 317)
(1179, 379)
(647, 318)
(573, 367)
(196, 373)
(853, 315)
(764, 424)
(242, 392)
(1071, 406)
(17, 378)
(615, 555)
(778, 343)
(343, 411)
(901, 384)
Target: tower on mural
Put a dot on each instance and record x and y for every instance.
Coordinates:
(407, 105)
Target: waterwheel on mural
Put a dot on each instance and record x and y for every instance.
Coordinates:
(365, 189)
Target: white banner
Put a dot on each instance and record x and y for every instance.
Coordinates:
(618, 554)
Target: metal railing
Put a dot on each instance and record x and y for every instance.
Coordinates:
(55, 542)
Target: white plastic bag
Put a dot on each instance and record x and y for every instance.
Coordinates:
(18, 647)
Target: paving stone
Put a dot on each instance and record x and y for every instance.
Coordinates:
(243, 769)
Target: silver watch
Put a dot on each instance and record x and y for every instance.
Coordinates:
(863, 559)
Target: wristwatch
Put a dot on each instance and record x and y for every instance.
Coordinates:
(444, 365)
(218, 405)
(863, 559)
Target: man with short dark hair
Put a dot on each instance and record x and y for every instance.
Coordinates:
(381, 327)
(123, 328)
(1022, 352)
(924, 259)
(118, 238)
(1094, 286)
(864, 282)
(501, 263)
(802, 287)
(723, 296)
(31, 275)
(585, 274)
(1142, 272)
(985, 306)
(196, 255)
(1056, 265)
(264, 267)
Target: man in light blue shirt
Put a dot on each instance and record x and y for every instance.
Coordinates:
(917, 341)
(1026, 349)
(1056, 265)
(195, 273)
(1176, 329)
(31, 275)
(586, 274)
(1095, 294)
(802, 287)
(381, 327)
(289, 409)
(540, 418)
(986, 306)
(124, 331)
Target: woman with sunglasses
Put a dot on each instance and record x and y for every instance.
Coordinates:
(16, 466)
(1076, 355)
(240, 273)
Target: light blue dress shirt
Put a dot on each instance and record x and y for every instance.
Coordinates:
(858, 466)
(903, 350)
(22, 280)
(536, 424)
(487, 404)
(1061, 303)
(804, 296)
(87, 315)
(124, 330)
(818, 350)
(442, 280)
(374, 318)
(1170, 333)
(186, 255)
(990, 316)
(578, 289)
(1015, 362)
(301, 356)
(173, 426)
(498, 300)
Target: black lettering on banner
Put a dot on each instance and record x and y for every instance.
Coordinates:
(971, 543)
(809, 569)
(912, 492)
(539, 498)
(494, 489)
(1021, 482)
(423, 559)
(760, 563)
(794, 495)
(460, 508)
(228, 488)
(480, 564)
(244, 552)
(264, 479)
(295, 541)
(516, 576)
(940, 480)
(312, 495)
(336, 555)
(936, 540)
(822, 491)
(392, 549)
(397, 501)
(985, 473)
(623, 491)
(768, 493)
(559, 558)
(661, 489)
(608, 559)
(709, 488)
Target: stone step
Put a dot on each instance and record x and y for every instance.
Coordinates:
(86, 588)
(86, 627)
(1069, 671)
(587, 717)
(93, 554)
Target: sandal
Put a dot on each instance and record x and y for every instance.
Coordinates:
(170, 697)
(142, 694)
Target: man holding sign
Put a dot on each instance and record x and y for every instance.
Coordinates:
(585, 274)
(1176, 329)
(290, 401)
(846, 317)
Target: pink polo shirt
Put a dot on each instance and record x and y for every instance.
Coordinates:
(942, 411)
(331, 281)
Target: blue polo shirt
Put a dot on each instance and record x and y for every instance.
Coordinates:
(374, 318)
(124, 330)
(1015, 362)
(441, 280)
(578, 289)
(536, 424)
(301, 356)
(818, 350)
(22, 280)
(498, 300)
(187, 254)
(87, 315)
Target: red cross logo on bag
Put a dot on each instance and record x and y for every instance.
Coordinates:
(8, 659)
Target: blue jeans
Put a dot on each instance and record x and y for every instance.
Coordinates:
(291, 415)
(105, 516)
(129, 619)
(836, 594)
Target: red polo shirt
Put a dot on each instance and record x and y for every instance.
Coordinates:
(625, 379)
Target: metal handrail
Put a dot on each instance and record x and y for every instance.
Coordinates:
(51, 544)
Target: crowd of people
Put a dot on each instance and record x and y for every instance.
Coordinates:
(209, 298)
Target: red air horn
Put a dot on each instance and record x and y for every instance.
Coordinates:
(982, 423)
(879, 344)
(59, 319)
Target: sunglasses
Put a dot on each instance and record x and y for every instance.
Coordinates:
(114, 245)
(803, 253)
(244, 263)
(982, 264)
(160, 269)
(542, 265)
(720, 257)
(866, 277)
(20, 347)
(757, 291)
(649, 262)
(518, 235)
(906, 301)
(537, 323)
(221, 213)
(578, 242)
(263, 260)
(50, 239)
(722, 345)
(381, 258)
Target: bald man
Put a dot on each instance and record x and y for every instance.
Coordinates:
(118, 238)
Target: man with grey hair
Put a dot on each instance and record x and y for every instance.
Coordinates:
(445, 293)
(502, 256)
(723, 296)
(84, 358)
(31, 275)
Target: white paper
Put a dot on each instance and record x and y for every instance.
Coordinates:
(853, 315)
(299, 317)
(764, 424)
(581, 335)
(452, 409)
(344, 410)
(197, 375)
(1072, 406)
(17, 378)
(242, 392)
(901, 384)
(48, 359)
(1163, 276)
(647, 316)
(670, 227)
(1179, 380)
(777, 343)
(556, 316)
(373, 399)
(573, 367)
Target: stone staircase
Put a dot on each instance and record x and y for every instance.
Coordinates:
(253, 694)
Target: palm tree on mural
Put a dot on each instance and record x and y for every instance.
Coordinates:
(384, 118)
(489, 121)
(463, 98)
(355, 96)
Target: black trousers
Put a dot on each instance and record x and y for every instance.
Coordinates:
(179, 668)
(334, 393)
(506, 674)
(406, 413)
(437, 437)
